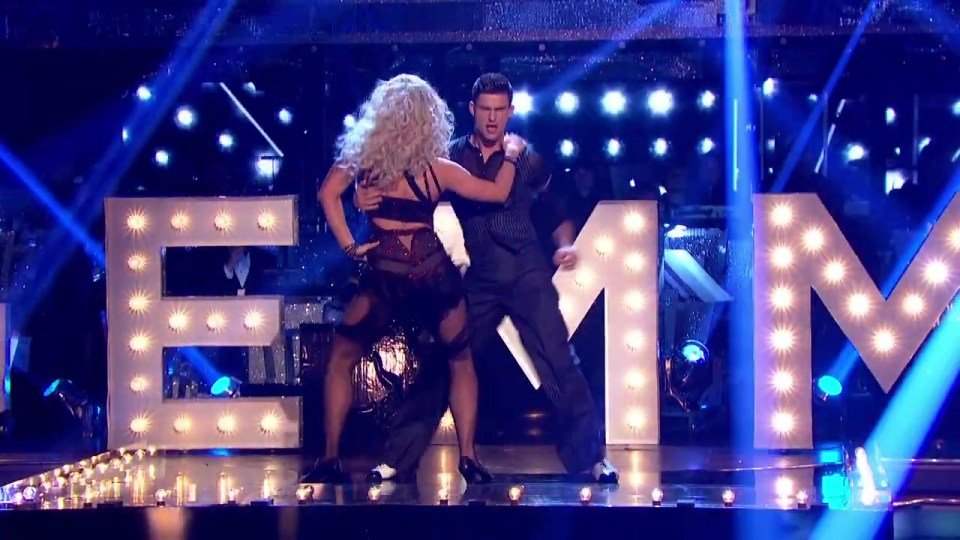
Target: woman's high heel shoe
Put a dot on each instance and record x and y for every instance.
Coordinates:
(473, 471)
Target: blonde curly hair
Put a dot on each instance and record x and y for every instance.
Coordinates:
(403, 126)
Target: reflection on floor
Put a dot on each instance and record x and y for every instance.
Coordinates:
(704, 477)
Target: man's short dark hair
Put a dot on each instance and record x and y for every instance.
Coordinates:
(492, 83)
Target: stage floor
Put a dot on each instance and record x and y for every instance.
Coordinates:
(771, 488)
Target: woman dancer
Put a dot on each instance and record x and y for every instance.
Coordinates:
(399, 144)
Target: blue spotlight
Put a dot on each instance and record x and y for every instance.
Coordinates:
(522, 103)
(144, 93)
(162, 158)
(894, 180)
(706, 146)
(225, 386)
(568, 102)
(660, 147)
(250, 87)
(567, 148)
(891, 116)
(956, 108)
(660, 102)
(52, 389)
(186, 118)
(828, 386)
(924, 142)
(812, 98)
(614, 102)
(707, 100)
(693, 351)
(268, 166)
(349, 121)
(226, 140)
(855, 152)
(770, 87)
(614, 147)
(125, 135)
(285, 116)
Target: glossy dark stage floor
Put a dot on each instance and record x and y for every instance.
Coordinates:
(257, 496)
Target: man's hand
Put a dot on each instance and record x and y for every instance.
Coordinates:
(367, 198)
(565, 258)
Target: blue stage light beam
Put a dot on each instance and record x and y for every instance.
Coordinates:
(147, 115)
(741, 175)
(905, 423)
(797, 150)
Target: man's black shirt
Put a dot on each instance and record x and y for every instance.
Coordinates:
(501, 239)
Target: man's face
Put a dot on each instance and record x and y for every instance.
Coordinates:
(490, 115)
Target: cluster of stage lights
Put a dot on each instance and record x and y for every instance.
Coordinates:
(186, 118)
(179, 319)
(858, 304)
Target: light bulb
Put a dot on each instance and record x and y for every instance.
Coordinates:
(137, 262)
(955, 238)
(584, 277)
(884, 340)
(635, 419)
(216, 321)
(182, 424)
(443, 495)
(178, 321)
(634, 380)
(634, 300)
(781, 215)
(813, 240)
(137, 221)
(634, 262)
(138, 384)
(270, 423)
(446, 421)
(514, 494)
(140, 425)
(179, 221)
(913, 305)
(781, 298)
(139, 302)
(139, 343)
(266, 221)
(656, 495)
(783, 423)
(227, 424)
(604, 246)
(585, 494)
(634, 340)
(304, 494)
(373, 494)
(223, 221)
(858, 305)
(936, 272)
(802, 498)
(782, 257)
(782, 381)
(728, 496)
(253, 320)
(161, 496)
(834, 272)
(633, 222)
(782, 339)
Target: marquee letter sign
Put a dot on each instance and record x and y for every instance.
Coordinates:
(142, 323)
(618, 254)
(798, 247)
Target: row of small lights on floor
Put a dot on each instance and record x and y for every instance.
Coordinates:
(858, 305)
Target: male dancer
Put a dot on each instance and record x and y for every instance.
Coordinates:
(508, 275)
